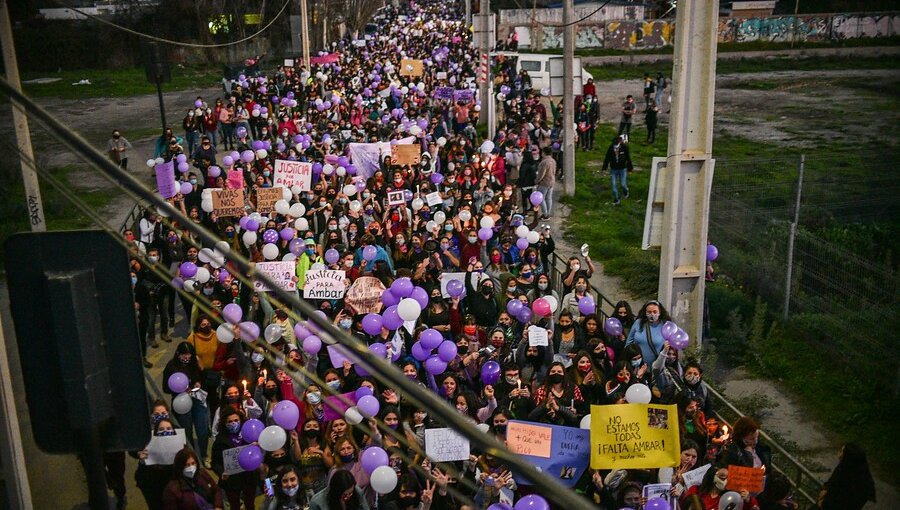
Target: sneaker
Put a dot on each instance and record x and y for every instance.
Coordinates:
(166, 338)
(616, 202)
(627, 194)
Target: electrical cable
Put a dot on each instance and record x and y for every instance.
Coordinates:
(169, 41)
(562, 25)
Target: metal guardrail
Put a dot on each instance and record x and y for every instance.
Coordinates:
(802, 474)
(557, 267)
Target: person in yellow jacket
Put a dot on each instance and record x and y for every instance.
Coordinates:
(305, 261)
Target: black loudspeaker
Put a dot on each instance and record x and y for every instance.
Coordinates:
(73, 309)
(156, 63)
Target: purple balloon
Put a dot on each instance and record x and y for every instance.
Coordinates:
(532, 502)
(248, 156)
(198, 103)
(178, 382)
(434, 365)
(668, 329)
(372, 458)
(317, 167)
(252, 225)
(388, 298)
(257, 145)
(250, 458)
(657, 504)
(312, 327)
(421, 296)
(613, 327)
(391, 319)
(232, 313)
(287, 233)
(368, 406)
(188, 269)
(249, 331)
(286, 414)
(490, 372)
(431, 339)
(455, 288)
(536, 198)
(183, 167)
(332, 256)
(447, 351)
(214, 171)
(296, 246)
(270, 236)
(525, 314)
(243, 222)
(371, 324)
(402, 287)
(362, 391)
(679, 340)
(369, 253)
(312, 344)
(228, 161)
(419, 352)
(186, 188)
(300, 331)
(378, 349)
(251, 429)
(177, 282)
(712, 253)
(586, 305)
(223, 274)
(514, 306)
(485, 233)
(522, 243)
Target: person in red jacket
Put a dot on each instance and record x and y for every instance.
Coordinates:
(191, 487)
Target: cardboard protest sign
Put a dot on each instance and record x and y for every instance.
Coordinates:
(434, 198)
(745, 478)
(162, 449)
(409, 154)
(165, 180)
(561, 452)
(445, 445)
(266, 198)
(537, 336)
(282, 272)
(228, 202)
(324, 284)
(634, 436)
(292, 173)
(364, 296)
(395, 198)
(411, 67)
(230, 460)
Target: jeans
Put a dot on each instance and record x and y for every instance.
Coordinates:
(618, 175)
(159, 306)
(212, 136)
(547, 204)
(191, 138)
(227, 136)
(659, 98)
(197, 420)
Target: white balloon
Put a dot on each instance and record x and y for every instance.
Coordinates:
(383, 480)
(222, 248)
(288, 257)
(327, 169)
(182, 403)
(465, 215)
(285, 192)
(486, 147)
(296, 190)
(318, 266)
(487, 222)
(272, 438)
(441, 141)
(431, 225)
(353, 416)
(477, 107)
(586, 422)
(355, 206)
(350, 189)
(638, 394)
(159, 161)
(205, 255)
(420, 85)
(261, 154)
(554, 304)
(440, 217)
(151, 163)
(225, 333)
(522, 231)
(202, 275)
(327, 141)
(415, 130)
(483, 427)
(533, 237)
(417, 204)
(340, 171)
(270, 251)
(273, 332)
(249, 238)
(301, 224)
(297, 210)
(207, 205)
(409, 309)
(256, 216)
(282, 207)
(189, 286)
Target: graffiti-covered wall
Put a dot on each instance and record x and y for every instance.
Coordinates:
(635, 35)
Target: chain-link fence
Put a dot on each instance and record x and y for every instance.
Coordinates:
(844, 282)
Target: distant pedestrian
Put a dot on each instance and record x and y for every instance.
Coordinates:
(628, 110)
(651, 117)
(546, 178)
(661, 85)
(649, 89)
(118, 147)
(618, 160)
(850, 485)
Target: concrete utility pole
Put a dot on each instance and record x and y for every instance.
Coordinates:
(305, 35)
(568, 99)
(20, 121)
(485, 90)
(687, 178)
(468, 11)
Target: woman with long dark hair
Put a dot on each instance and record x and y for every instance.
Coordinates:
(647, 330)
(341, 494)
(191, 485)
(850, 485)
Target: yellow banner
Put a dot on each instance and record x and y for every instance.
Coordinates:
(633, 436)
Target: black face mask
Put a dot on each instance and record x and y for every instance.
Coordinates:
(270, 392)
(487, 291)
(407, 502)
(501, 429)
(555, 378)
(311, 433)
(462, 350)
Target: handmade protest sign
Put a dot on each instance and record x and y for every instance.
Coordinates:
(364, 296)
(537, 336)
(443, 92)
(165, 179)
(395, 198)
(292, 173)
(281, 272)
(465, 96)
(228, 202)
(560, 452)
(230, 460)
(434, 198)
(662, 491)
(695, 476)
(338, 354)
(324, 284)
(335, 406)
(162, 449)
(266, 198)
(445, 445)
(411, 67)
(634, 436)
(745, 478)
(408, 154)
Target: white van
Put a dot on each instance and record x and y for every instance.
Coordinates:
(542, 66)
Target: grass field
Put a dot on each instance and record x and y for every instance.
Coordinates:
(118, 82)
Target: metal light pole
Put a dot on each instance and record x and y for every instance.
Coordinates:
(791, 235)
(568, 99)
(20, 121)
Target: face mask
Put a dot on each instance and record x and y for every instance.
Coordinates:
(133, 281)
(310, 251)
(189, 471)
(311, 433)
(653, 317)
(322, 203)
(345, 323)
(462, 350)
(511, 290)
(208, 291)
(487, 291)
(495, 259)
(555, 378)
(581, 287)
(229, 234)
(165, 433)
(233, 428)
(194, 182)
(526, 275)
(692, 379)
(153, 259)
(448, 227)
(314, 397)
(334, 385)
(720, 484)
(256, 358)
(156, 418)
(266, 173)
(462, 409)
(348, 458)
(291, 491)
(542, 286)
(348, 263)
(472, 239)
(332, 227)
(445, 246)
(636, 362)
(501, 429)
(576, 267)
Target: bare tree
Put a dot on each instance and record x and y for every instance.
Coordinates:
(357, 14)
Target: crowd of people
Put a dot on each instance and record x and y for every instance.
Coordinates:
(469, 208)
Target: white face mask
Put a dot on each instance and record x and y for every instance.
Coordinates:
(292, 491)
(720, 484)
(652, 317)
(692, 379)
(189, 471)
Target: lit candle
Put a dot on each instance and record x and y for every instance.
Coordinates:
(245, 384)
(265, 374)
(519, 383)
